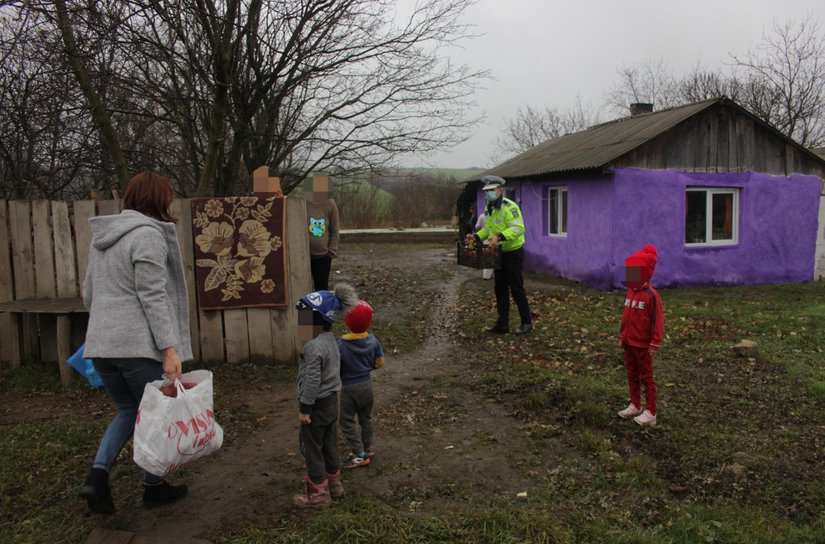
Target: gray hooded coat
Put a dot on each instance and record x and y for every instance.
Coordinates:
(135, 289)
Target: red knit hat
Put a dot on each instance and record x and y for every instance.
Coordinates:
(645, 259)
(359, 319)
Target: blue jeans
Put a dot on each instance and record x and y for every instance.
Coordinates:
(124, 380)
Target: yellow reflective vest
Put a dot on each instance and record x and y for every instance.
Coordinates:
(507, 221)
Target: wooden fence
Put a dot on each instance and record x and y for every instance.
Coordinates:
(44, 248)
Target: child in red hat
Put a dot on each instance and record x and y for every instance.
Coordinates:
(641, 334)
(361, 353)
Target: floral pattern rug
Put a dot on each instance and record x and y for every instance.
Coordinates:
(239, 252)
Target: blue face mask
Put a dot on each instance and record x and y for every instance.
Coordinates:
(490, 196)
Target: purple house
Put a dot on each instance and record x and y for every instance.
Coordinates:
(725, 197)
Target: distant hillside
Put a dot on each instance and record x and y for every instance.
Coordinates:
(458, 174)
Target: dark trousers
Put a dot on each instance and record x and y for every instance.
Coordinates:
(510, 279)
(639, 366)
(318, 439)
(125, 380)
(320, 272)
(356, 404)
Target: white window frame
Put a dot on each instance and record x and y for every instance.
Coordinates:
(709, 192)
(561, 213)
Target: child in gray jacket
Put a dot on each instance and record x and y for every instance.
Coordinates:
(319, 382)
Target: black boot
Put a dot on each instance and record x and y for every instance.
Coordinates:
(156, 495)
(97, 493)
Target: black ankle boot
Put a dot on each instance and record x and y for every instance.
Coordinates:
(97, 493)
(156, 495)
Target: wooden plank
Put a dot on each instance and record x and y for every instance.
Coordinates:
(723, 144)
(210, 333)
(6, 285)
(713, 143)
(299, 282)
(83, 211)
(236, 337)
(284, 344)
(43, 251)
(44, 274)
(790, 159)
(9, 346)
(260, 334)
(182, 209)
(20, 231)
(700, 160)
(44, 306)
(64, 252)
(747, 144)
(733, 147)
(64, 350)
(108, 207)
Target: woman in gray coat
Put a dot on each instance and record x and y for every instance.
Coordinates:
(138, 321)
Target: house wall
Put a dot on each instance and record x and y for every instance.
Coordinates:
(778, 219)
(582, 254)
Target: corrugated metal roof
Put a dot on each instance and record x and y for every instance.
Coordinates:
(597, 146)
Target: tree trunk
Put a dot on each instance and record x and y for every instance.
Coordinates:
(99, 113)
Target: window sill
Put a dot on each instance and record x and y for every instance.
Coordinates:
(726, 245)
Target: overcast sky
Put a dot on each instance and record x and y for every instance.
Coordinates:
(549, 51)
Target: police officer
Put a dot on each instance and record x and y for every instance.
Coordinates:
(504, 227)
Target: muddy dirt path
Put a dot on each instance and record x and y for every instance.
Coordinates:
(437, 442)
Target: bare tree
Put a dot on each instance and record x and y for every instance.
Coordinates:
(99, 112)
(532, 126)
(785, 80)
(48, 146)
(650, 81)
(208, 90)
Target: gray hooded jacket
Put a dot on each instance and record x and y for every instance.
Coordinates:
(135, 289)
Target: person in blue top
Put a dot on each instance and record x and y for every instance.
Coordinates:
(361, 353)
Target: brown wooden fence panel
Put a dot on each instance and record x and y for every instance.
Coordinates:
(284, 345)
(182, 209)
(43, 251)
(64, 252)
(20, 231)
(260, 333)
(44, 254)
(44, 274)
(236, 336)
(9, 347)
(83, 211)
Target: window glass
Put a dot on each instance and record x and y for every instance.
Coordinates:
(722, 218)
(553, 210)
(696, 217)
(564, 211)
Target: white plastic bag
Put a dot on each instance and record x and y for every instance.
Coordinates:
(171, 431)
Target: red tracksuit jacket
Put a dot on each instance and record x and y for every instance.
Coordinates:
(642, 318)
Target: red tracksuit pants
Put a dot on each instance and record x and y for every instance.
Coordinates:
(639, 366)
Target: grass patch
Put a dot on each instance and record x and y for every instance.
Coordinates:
(740, 431)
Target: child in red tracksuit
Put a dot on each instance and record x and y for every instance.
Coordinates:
(641, 334)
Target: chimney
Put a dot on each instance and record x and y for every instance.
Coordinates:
(638, 108)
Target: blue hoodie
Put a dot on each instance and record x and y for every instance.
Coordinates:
(361, 353)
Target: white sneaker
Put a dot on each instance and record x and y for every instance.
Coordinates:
(630, 411)
(645, 419)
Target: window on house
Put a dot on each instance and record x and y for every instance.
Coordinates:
(557, 211)
(711, 216)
